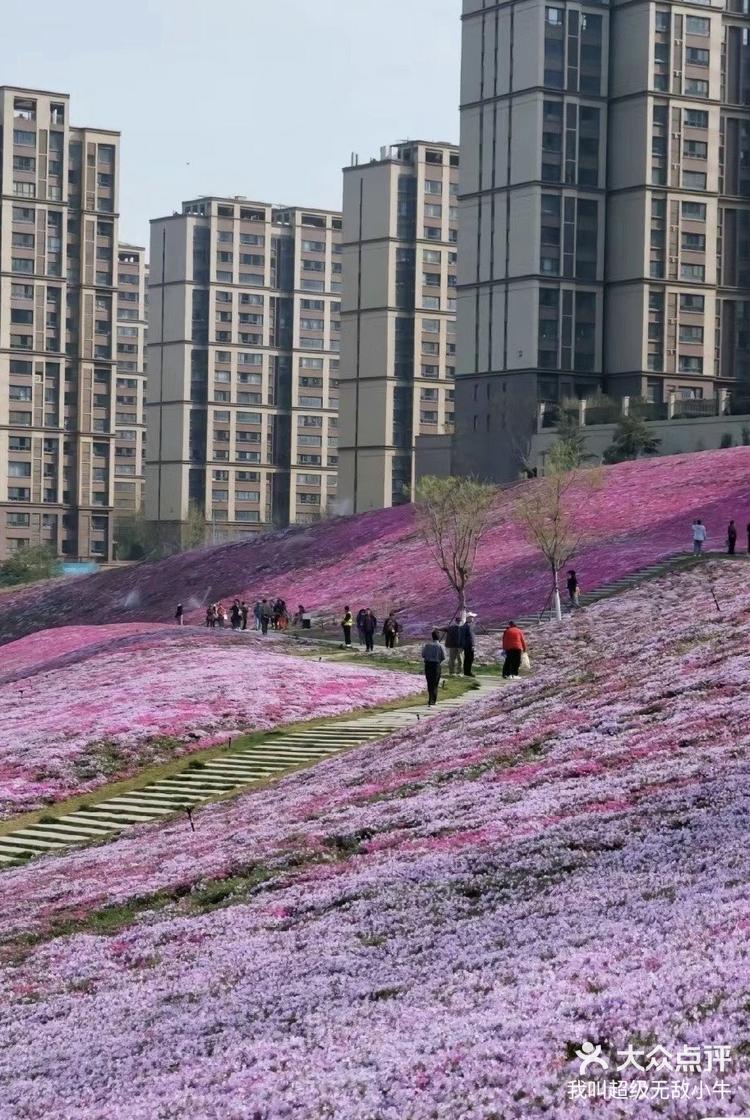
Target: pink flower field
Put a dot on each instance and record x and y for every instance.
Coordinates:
(86, 705)
(429, 927)
(641, 514)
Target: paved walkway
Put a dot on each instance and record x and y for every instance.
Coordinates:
(234, 771)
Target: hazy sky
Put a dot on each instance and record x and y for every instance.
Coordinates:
(268, 99)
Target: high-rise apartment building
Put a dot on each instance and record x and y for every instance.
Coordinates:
(605, 211)
(130, 417)
(58, 241)
(243, 365)
(398, 318)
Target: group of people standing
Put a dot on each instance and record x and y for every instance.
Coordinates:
(458, 638)
(700, 535)
(367, 627)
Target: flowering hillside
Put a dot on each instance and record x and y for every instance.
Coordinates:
(431, 926)
(86, 705)
(641, 513)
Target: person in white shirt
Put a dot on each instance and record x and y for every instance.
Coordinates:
(699, 536)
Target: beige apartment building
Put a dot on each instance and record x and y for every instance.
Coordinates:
(58, 241)
(398, 317)
(605, 212)
(243, 366)
(130, 416)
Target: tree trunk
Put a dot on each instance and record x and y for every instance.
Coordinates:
(462, 602)
(556, 595)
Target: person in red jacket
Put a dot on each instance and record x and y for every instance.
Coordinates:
(514, 645)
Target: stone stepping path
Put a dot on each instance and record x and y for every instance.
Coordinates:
(231, 772)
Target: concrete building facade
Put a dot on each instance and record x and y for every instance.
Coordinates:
(130, 400)
(58, 243)
(605, 211)
(243, 366)
(398, 317)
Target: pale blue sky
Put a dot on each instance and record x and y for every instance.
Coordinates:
(234, 104)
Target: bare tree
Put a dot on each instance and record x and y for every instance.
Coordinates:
(548, 512)
(452, 515)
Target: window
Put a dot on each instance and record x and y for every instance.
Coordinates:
(433, 186)
(433, 210)
(313, 246)
(692, 272)
(696, 118)
(697, 56)
(696, 87)
(690, 302)
(690, 364)
(247, 495)
(694, 211)
(104, 179)
(17, 520)
(21, 264)
(697, 25)
(24, 163)
(27, 190)
(694, 180)
(695, 149)
(691, 334)
(695, 242)
(19, 494)
(19, 469)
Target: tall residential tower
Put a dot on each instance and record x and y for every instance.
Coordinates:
(605, 211)
(243, 357)
(130, 417)
(58, 243)
(399, 315)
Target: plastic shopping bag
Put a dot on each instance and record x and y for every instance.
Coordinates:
(525, 663)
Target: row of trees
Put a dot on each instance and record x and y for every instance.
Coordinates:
(453, 513)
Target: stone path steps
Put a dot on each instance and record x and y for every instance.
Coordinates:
(232, 771)
(626, 583)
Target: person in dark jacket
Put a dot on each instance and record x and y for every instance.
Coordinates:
(514, 644)
(361, 625)
(731, 538)
(391, 630)
(467, 646)
(574, 589)
(266, 613)
(433, 656)
(369, 626)
(452, 636)
(179, 615)
(346, 625)
(236, 615)
(244, 611)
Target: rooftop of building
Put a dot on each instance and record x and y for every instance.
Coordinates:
(395, 153)
(189, 208)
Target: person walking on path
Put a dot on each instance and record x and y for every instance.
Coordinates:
(467, 646)
(266, 612)
(699, 536)
(257, 614)
(453, 646)
(179, 615)
(244, 611)
(346, 625)
(574, 589)
(390, 631)
(731, 538)
(236, 615)
(369, 626)
(514, 644)
(361, 625)
(433, 656)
